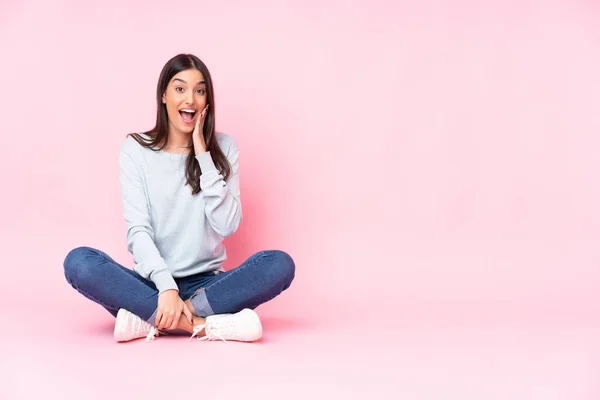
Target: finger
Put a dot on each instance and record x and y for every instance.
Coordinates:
(204, 112)
(165, 322)
(188, 313)
(158, 317)
(197, 126)
(175, 321)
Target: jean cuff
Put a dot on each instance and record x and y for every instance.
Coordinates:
(201, 305)
(152, 319)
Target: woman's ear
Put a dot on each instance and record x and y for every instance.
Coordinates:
(163, 99)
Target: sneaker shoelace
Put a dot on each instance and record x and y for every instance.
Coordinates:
(208, 335)
(152, 334)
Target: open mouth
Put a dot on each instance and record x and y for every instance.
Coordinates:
(187, 116)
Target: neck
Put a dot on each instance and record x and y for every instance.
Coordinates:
(178, 140)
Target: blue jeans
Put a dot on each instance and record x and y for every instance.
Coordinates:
(259, 279)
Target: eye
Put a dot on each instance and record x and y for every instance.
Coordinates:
(179, 89)
(200, 91)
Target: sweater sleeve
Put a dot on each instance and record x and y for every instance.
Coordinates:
(223, 207)
(140, 234)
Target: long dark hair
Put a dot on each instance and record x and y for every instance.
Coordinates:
(159, 135)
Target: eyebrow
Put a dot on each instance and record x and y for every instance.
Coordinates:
(181, 80)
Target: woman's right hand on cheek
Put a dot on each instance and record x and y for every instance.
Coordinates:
(170, 307)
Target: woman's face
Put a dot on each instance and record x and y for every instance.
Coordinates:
(185, 98)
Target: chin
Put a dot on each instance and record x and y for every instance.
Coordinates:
(185, 129)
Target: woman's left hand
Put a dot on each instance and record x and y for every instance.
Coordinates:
(198, 134)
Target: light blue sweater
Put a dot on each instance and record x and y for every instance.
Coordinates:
(171, 233)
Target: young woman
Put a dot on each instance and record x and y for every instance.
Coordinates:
(181, 197)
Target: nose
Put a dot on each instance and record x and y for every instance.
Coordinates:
(189, 97)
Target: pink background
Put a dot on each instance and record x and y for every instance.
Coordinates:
(431, 166)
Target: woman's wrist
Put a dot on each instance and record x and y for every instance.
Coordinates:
(199, 148)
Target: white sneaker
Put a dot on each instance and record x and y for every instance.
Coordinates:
(243, 326)
(129, 326)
